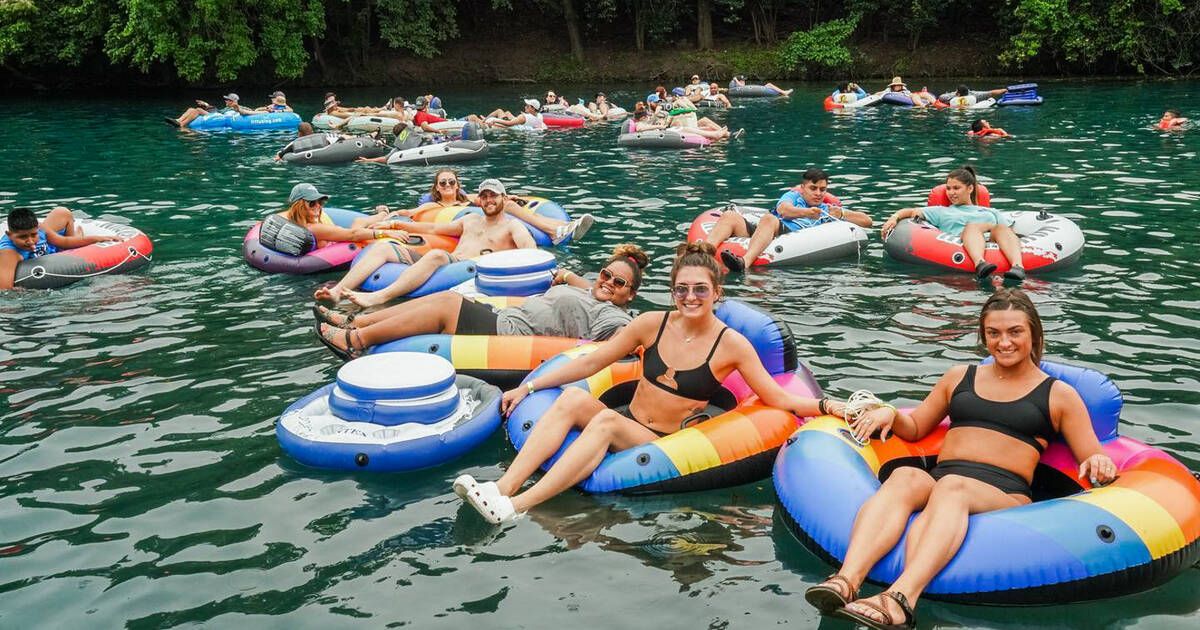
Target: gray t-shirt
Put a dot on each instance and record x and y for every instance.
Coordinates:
(563, 311)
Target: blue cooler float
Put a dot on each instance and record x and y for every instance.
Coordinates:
(513, 273)
(1025, 94)
(390, 412)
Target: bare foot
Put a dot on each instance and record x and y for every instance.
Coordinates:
(328, 294)
(365, 300)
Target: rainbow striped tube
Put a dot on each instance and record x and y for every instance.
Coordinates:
(502, 361)
(732, 448)
(1073, 543)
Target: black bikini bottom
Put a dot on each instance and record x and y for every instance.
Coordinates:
(1004, 480)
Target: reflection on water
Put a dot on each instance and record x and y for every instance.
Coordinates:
(142, 484)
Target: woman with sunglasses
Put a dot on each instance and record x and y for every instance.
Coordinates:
(307, 210)
(668, 394)
(574, 307)
(447, 192)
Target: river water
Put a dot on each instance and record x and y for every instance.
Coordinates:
(141, 484)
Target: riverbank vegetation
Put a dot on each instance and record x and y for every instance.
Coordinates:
(46, 42)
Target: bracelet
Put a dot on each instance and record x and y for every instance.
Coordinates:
(821, 406)
(375, 234)
(892, 407)
(529, 386)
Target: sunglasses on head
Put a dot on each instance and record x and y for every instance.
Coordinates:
(447, 182)
(701, 291)
(618, 281)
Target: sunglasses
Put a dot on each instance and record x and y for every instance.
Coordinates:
(618, 281)
(701, 291)
(447, 182)
(319, 202)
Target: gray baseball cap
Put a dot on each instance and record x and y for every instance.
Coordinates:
(277, 93)
(231, 97)
(420, 102)
(307, 192)
(493, 185)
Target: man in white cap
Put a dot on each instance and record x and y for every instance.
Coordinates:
(477, 234)
(528, 119)
(202, 108)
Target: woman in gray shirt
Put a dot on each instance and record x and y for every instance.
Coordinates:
(574, 307)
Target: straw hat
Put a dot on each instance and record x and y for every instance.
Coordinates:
(897, 81)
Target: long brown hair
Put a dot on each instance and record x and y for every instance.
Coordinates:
(459, 195)
(967, 176)
(698, 254)
(1009, 299)
(634, 258)
(298, 212)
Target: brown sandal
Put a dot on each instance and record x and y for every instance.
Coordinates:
(827, 596)
(349, 353)
(888, 622)
(330, 316)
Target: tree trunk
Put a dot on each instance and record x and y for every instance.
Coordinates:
(573, 30)
(704, 33)
(639, 26)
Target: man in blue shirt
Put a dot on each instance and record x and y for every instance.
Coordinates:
(25, 239)
(802, 207)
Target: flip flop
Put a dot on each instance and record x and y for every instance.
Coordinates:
(172, 121)
(341, 353)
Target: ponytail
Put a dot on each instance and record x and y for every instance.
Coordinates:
(697, 254)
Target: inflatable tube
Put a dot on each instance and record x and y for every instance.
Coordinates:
(265, 122)
(211, 122)
(325, 121)
(1073, 543)
(1048, 243)
(538, 205)
(735, 446)
(340, 152)
(312, 434)
(562, 119)
(1025, 94)
(938, 196)
(446, 277)
(817, 244)
(441, 153)
(331, 257)
(503, 361)
(751, 91)
(711, 103)
(370, 124)
(616, 113)
(659, 138)
(68, 266)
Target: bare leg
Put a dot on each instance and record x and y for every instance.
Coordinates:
(1009, 242)
(573, 408)
(409, 280)
(432, 314)
(731, 223)
(59, 220)
(374, 258)
(545, 224)
(881, 521)
(707, 133)
(781, 91)
(191, 114)
(973, 240)
(765, 232)
(605, 430)
(938, 532)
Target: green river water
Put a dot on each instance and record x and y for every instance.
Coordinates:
(141, 484)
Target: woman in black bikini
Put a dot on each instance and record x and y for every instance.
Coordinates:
(1002, 416)
(666, 396)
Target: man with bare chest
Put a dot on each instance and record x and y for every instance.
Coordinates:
(493, 231)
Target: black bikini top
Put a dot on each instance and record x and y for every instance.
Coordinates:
(1026, 418)
(697, 383)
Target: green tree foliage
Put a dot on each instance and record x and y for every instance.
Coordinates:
(417, 25)
(1163, 35)
(822, 47)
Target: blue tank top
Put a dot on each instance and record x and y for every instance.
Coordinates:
(42, 248)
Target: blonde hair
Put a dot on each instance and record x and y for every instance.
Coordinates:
(297, 212)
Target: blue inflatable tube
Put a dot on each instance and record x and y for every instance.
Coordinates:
(1072, 543)
(248, 122)
(445, 278)
(209, 122)
(1025, 94)
(314, 437)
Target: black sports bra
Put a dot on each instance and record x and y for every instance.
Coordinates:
(697, 383)
(1025, 418)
